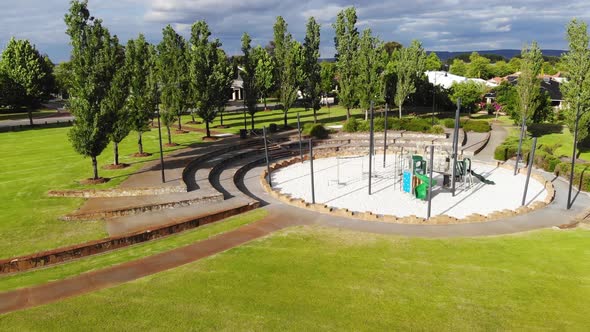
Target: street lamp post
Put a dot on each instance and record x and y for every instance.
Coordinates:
(161, 150)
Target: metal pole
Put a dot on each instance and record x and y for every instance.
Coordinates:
(522, 132)
(530, 169)
(266, 154)
(430, 183)
(385, 136)
(433, 97)
(456, 145)
(573, 169)
(371, 149)
(300, 143)
(311, 166)
(161, 150)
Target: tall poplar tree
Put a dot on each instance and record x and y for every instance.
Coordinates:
(280, 40)
(369, 68)
(172, 78)
(140, 60)
(249, 77)
(263, 72)
(311, 66)
(347, 41)
(114, 103)
(527, 88)
(210, 72)
(411, 62)
(577, 89)
(94, 65)
(292, 77)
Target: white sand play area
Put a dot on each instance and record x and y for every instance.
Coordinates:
(346, 186)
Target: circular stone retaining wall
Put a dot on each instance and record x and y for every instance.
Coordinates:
(412, 219)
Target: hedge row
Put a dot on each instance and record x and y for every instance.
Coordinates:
(478, 126)
(410, 124)
(546, 159)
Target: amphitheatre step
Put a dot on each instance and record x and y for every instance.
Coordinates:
(104, 208)
(475, 143)
(130, 224)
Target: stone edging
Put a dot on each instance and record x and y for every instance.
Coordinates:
(52, 257)
(116, 192)
(370, 216)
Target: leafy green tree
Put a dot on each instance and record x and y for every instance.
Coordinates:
(311, 67)
(479, 66)
(328, 76)
(63, 78)
(347, 42)
(140, 60)
(114, 104)
(507, 97)
(458, 67)
(31, 72)
(279, 49)
(172, 78)
(391, 46)
(9, 90)
(500, 69)
(433, 63)
(527, 87)
(263, 72)
(410, 65)
(95, 57)
(514, 65)
(210, 72)
(470, 93)
(389, 75)
(577, 88)
(251, 91)
(292, 77)
(226, 78)
(369, 68)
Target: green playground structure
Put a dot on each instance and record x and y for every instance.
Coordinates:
(419, 171)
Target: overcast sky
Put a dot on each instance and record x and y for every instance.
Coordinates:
(441, 25)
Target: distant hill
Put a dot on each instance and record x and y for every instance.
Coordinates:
(508, 54)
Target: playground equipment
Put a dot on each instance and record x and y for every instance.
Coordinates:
(417, 173)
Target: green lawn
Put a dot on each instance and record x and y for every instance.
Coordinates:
(312, 278)
(38, 160)
(11, 115)
(235, 120)
(111, 258)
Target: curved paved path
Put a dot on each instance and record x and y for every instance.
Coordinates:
(280, 216)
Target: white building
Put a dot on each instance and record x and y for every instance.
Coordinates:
(446, 79)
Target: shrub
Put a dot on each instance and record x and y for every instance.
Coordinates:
(364, 126)
(418, 124)
(351, 125)
(437, 129)
(449, 123)
(315, 130)
(273, 127)
(477, 126)
(581, 174)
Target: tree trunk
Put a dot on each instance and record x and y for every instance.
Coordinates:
(95, 167)
(30, 117)
(140, 143)
(285, 118)
(264, 103)
(252, 120)
(348, 113)
(116, 149)
(207, 127)
(169, 135)
(315, 116)
(193, 117)
(221, 115)
(400, 111)
(179, 121)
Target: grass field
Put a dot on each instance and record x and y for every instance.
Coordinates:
(38, 160)
(63, 271)
(312, 278)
